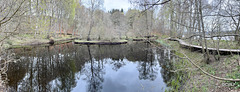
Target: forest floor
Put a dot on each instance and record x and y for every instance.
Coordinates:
(189, 78)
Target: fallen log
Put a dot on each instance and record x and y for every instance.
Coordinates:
(144, 39)
(100, 42)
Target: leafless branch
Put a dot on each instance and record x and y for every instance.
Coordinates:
(154, 4)
(15, 12)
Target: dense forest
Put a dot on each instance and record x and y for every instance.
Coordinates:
(211, 27)
(88, 19)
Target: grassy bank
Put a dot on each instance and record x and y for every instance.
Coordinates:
(28, 40)
(189, 78)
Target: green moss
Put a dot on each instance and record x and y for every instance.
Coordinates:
(18, 46)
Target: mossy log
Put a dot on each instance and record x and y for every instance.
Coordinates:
(144, 39)
(100, 42)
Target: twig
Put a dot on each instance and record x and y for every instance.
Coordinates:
(154, 4)
(215, 77)
(11, 33)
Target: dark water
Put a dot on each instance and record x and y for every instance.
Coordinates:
(133, 67)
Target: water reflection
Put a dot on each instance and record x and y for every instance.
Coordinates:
(164, 58)
(94, 73)
(95, 68)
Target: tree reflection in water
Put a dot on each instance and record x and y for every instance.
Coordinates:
(43, 70)
(96, 72)
(57, 68)
(164, 59)
(146, 67)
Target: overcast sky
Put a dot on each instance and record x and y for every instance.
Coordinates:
(116, 4)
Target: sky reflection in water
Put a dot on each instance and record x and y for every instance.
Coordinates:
(134, 67)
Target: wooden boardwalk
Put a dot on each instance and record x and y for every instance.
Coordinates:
(211, 50)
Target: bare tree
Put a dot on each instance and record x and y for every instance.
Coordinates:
(93, 5)
(10, 14)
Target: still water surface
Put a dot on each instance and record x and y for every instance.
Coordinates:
(132, 67)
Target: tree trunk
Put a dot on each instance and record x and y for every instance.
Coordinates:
(237, 30)
(90, 29)
(146, 20)
(171, 20)
(207, 57)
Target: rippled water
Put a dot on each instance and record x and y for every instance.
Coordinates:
(133, 67)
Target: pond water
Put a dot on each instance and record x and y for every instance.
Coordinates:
(132, 67)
